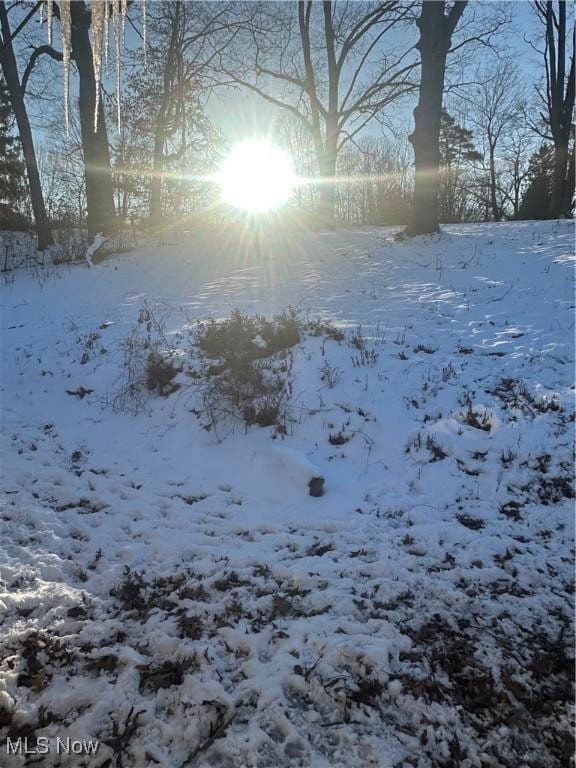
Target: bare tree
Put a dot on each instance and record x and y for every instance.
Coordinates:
(436, 25)
(62, 172)
(99, 193)
(16, 90)
(297, 140)
(445, 41)
(323, 63)
(101, 215)
(181, 56)
(515, 157)
(374, 181)
(495, 107)
(558, 100)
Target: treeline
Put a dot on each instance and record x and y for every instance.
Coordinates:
(491, 142)
(379, 180)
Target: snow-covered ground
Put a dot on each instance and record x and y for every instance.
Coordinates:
(169, 588)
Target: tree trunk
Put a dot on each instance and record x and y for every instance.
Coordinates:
(559, 179)
(560, 93)
(567, 203)
(328, 161)
(435, 36)
(425, 138)
(493, 197)
(160, 133)
(12, 78)
(99, 189)
(327, 166)
(517, 183)
(157, 168)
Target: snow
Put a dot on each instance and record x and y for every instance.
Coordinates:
(98, 241)
(411, 615)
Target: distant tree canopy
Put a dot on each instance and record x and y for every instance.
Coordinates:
(457, 156)
(456, 143)
(338, 79)
(538, 194)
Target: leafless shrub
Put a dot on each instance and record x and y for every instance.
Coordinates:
(70, 246)
(148, 364)
(476, 419)
(248, 377)
(425, 348)
(324, 328)
(330, 374)
(366, 354)
(515, 395)
(248, 337)
(436, 451)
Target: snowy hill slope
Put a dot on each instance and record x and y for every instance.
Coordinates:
(418, 613)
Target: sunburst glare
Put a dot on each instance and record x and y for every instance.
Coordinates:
(256, 177)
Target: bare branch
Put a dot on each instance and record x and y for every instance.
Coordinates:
(36, 53)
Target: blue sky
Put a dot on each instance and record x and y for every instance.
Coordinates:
(237, 114)
(240, 114)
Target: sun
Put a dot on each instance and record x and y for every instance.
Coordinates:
(256, 176)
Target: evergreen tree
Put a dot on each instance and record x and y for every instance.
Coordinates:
(538, 195)
(456, 143)
(12, 189)
(457, 150)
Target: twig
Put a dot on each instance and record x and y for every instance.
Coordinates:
(207, 743)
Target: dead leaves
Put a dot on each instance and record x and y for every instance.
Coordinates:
(108, 663)
(39, 654)
(154, 677)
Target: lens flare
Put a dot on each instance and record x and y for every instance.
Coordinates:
(256, 177)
